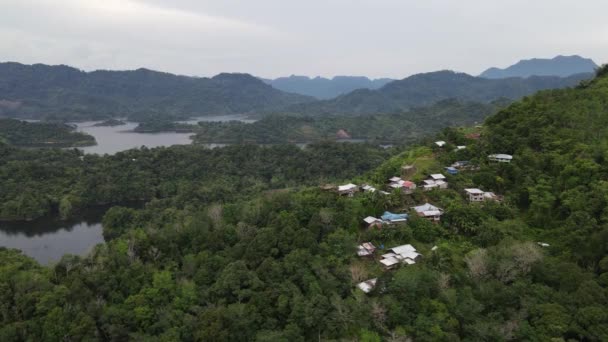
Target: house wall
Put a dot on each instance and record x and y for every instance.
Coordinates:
(476, 197)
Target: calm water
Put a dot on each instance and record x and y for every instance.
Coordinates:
(220, 118)
(120, 138)
(48, 239)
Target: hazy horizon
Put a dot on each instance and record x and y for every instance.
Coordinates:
(376, 39)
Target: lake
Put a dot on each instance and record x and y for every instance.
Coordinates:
(112, 139)
(48, 239)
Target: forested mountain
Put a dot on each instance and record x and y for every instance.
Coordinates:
(65, 93)
(562, 66)
(401, 128)
(324, 88)
(428, 88)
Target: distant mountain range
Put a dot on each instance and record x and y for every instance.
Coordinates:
(428, 88)
(325, 88)
(562, 66)
(66, 93)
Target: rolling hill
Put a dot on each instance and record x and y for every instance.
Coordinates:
(62, 92)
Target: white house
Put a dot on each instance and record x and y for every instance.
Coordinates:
(440, 143)
(500, 157)
(475, 195)
(435, 180)
(368, 285)
(490, 196)
(437, 176)
(372, 222)
(366, 249)
(348, 189)
(429, 211)
(405, 254)
(368, 188)
(460, 147)
(430, 184)
(407, 187)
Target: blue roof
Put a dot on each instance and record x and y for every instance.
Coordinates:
(388, 216)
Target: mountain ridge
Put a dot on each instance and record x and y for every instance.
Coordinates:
(427, 88)
(325, 88)
(63, 92)
(562, 66)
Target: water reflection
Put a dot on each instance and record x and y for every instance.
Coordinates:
(112, 139)
(48, 239)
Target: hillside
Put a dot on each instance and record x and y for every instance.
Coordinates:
(242, 244)
(562, 66)
(428, 88)
(325, 88)
(62, 92)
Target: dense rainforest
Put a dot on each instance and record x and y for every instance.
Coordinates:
(41, 134)
(282, 265)
(39, 182)
(402, 128)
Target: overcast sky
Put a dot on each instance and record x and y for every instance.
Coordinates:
(270, 38)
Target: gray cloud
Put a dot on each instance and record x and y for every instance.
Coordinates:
(378, 38)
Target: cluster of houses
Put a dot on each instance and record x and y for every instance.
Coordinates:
(435, 181)
(427, 211)
(400, 255)
(404, 254)
(407, 254)
(350, 189)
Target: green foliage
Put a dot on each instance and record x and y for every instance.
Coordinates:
(42, 134)
(40, 182)
(406, 127)
(216, 255)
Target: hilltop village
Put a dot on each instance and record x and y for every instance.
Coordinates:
(414, 183)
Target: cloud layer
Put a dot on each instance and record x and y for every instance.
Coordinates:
(271, 38)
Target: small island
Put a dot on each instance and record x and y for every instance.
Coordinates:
(110, 123)
(160, 125)
(42, 134)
